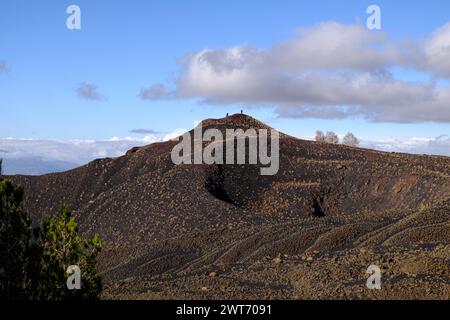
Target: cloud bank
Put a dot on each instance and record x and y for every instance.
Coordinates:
(417, 145)
(329, 71)
(34, 156)
(74, 151)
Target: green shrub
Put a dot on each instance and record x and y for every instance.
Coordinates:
(33, 262)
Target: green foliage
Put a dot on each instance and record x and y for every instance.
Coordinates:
(33, 263)
(1, 162)
(61, 247)
(15, 236)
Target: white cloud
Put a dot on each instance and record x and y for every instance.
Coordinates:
(416, 145)
(333, 45)
(437, 51)
(327, 71)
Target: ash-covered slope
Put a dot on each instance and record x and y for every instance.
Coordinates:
(163, 220)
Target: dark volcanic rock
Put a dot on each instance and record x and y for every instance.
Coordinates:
(168, 226)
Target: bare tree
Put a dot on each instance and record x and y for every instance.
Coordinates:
(331, 137)
(320, 137)
(350, 140)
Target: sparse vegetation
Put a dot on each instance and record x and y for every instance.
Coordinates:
(350, 140)
(60, 246)
(331, 137)
(320, 137)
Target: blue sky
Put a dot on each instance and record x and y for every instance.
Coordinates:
(125, 46)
